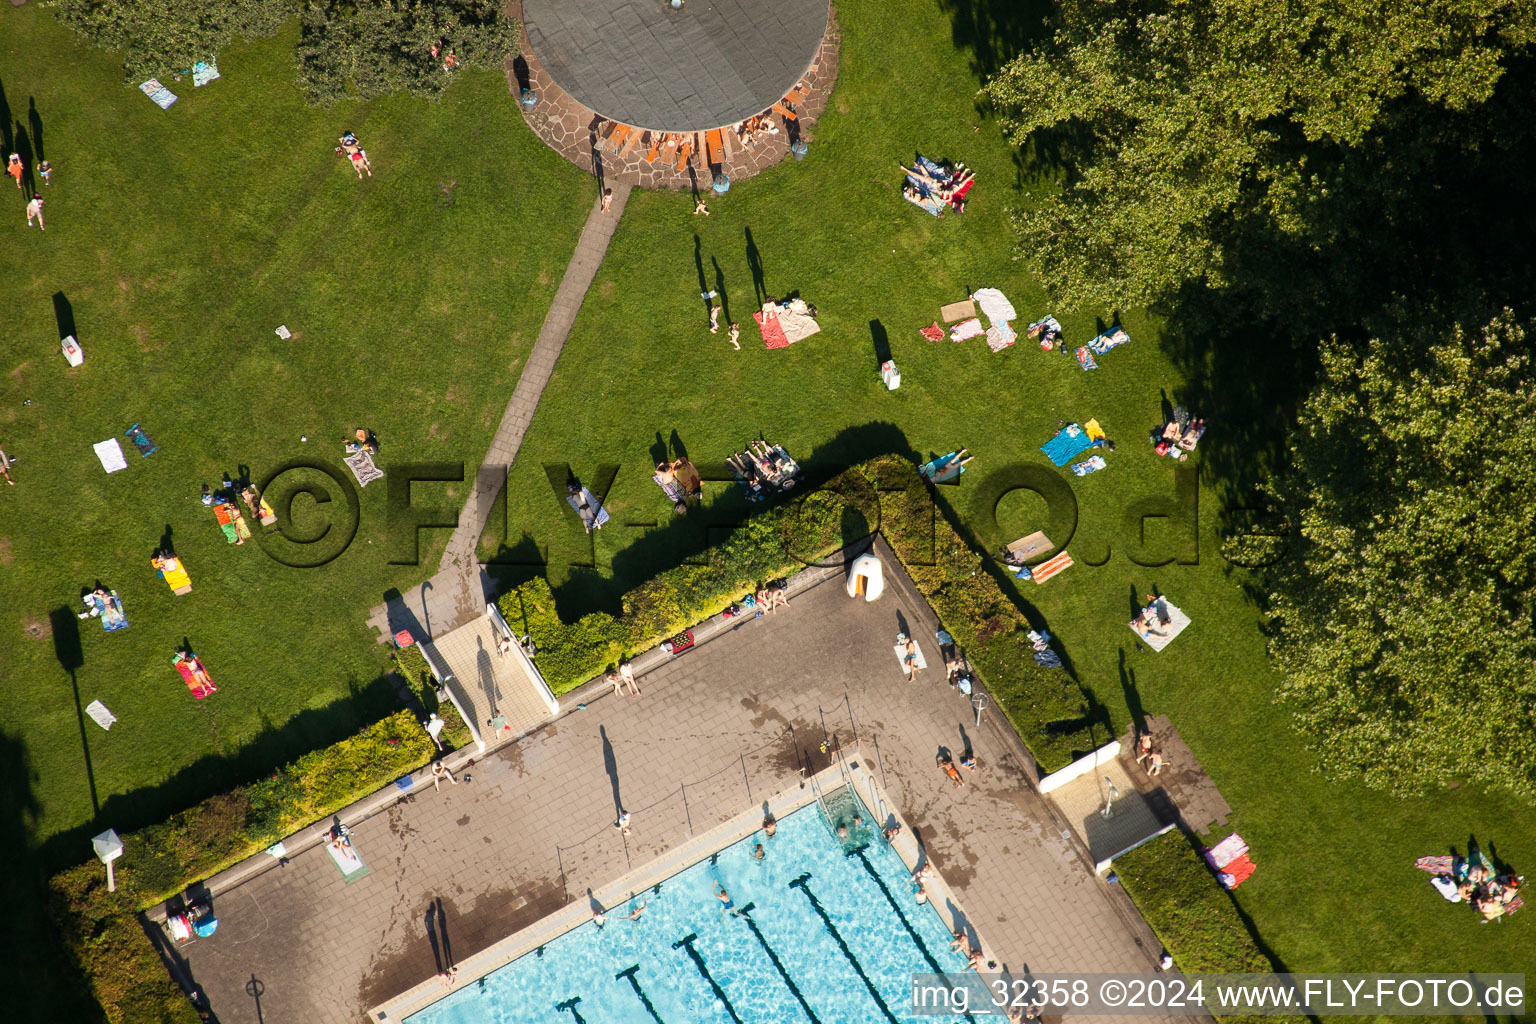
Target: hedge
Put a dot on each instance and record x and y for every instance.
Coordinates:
(1193, 916)
(423, 685)
(101, 930)
(1047, 709)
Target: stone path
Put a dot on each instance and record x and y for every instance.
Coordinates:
(460, 589)
(717, 730)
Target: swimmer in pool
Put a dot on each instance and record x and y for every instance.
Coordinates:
(726, 903)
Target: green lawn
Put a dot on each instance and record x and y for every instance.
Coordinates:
(182, 238)
(1336, 888)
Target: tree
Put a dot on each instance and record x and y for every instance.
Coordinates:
(1183, 128)
(166, 37)
(1404, 626)
(368, 48)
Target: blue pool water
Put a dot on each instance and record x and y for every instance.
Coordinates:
(823, 944)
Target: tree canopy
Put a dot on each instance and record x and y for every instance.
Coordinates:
(166, 37)
(1403, 625)
(1181, 128)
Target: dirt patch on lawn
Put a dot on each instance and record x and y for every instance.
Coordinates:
(36, 628)
(16, 373)
(6, 558)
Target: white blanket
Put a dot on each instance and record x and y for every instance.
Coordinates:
(346, 858)
(363, 468)
(995, 305)
(1163, 635)
(901, 655)
(111, 455)
(99, 714)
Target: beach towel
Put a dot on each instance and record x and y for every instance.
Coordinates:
(1164, 633)
(901, 656)
(1237, 872)
(1188, 443)
(797, 326)
(668, 487)
(1436, 865)
(1051, 567)
(174, 573)
(347, 860)
(1000, 336)
(773, 333)
(995, 305)
(967, 329)
(362, 467)
(1112, 338)
(111, 455)
(100, 715)
(1085, 358)
(932, 333)
(258, 506)
(950, 471)
(957, 197)
(1068, 443)
(109, 609)
(1087, 466)
(1226, 851)
(598, 513)
(203, 72)
(162, 96)
(141, 441)
(1095, 432)
(963, 310)
(190, 669)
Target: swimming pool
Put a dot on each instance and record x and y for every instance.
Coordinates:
(831, 935)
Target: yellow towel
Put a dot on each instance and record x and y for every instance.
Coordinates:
(1095, 432)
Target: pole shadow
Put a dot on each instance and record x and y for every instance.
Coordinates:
(66, 647)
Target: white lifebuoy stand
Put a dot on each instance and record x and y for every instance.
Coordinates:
(108, 847)
(867, 577)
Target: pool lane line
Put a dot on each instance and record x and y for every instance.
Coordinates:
(773, 957)
(570, 1004)
(628, 974)
(686, 944)
(917, 940)
(800, 883)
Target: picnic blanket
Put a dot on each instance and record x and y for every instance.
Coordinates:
(1069, 441)
(796, 322)
(599, 517)
(967, 329)
(773, 331)
(901, 655)
(361, 464)
(924, 200)
(1085, 358)
(231, 522)
(931, 470)
(1189, 441)
(1112, 338)
(141, 441)
(1226, 851)
(995, 305)
(195, 676)
(111, 455)
(162, 96)
(1000, 336)
(1087, 466)
(1036, 543)
(100, 715)
(1162, 635)
(203, 72)
(933, 332)
(962, 310)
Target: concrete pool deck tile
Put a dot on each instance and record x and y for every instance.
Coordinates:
(718, 730)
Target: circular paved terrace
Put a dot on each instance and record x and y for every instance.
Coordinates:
(707, 65)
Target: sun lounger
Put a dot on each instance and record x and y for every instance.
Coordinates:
(963, 310)
(1051, 567)
(715, 147)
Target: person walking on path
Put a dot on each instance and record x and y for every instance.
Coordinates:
(439, 773)
(623, 823)
(35, 209)
(15, 168)
(607, 200)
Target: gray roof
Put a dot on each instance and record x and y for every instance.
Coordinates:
(710, 64)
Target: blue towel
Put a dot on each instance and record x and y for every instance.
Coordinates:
(1092, 465)
(141, 441)
(601, 514)
(1069, 441)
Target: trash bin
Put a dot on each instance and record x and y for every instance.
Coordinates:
(71, 350)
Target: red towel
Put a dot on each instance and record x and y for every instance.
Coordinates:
(1237, 872)
(934, 333)
(773, 334)
(957, 200)
(199, 690)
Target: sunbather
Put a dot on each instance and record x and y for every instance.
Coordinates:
(688, 479)
(909, 658)
(948, 764)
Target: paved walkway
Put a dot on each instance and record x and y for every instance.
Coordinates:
(717, 730)
(459, 590)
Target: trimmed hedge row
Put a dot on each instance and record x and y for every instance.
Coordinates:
(1194, 918)
(100, 929)
(1046, 707)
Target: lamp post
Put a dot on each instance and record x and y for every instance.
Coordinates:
(1109, 799)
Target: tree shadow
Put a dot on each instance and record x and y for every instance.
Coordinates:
(994, 32)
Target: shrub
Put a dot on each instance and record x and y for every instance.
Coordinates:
(1193, 916)
(419, 679)
(166, 37)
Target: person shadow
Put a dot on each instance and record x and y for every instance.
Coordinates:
(725, 302)
(755, 265)
(611, 767)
